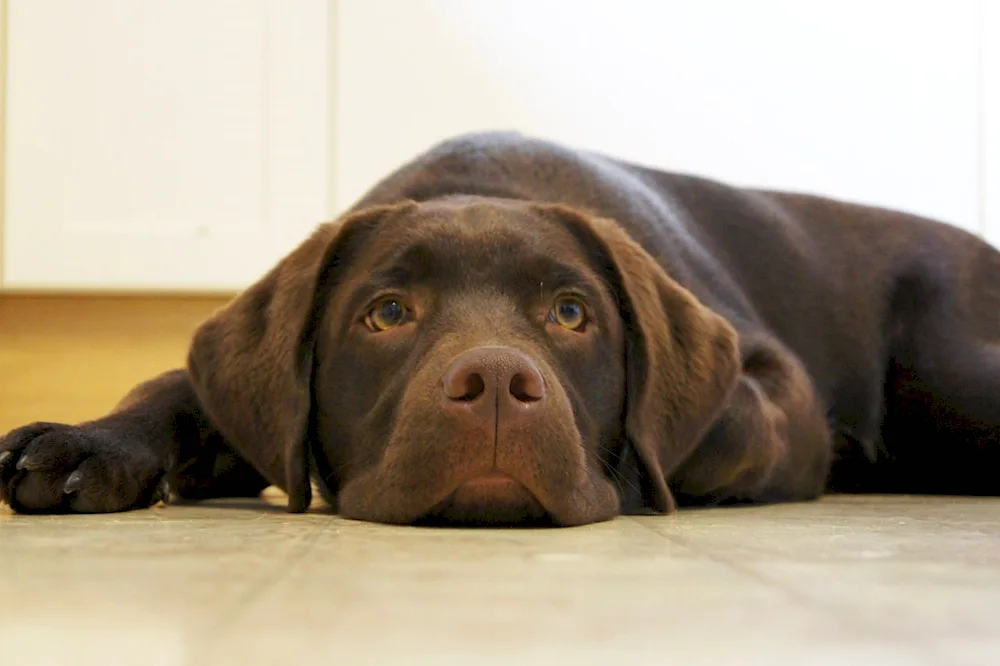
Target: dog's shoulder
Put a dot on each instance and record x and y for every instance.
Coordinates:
(728, 243)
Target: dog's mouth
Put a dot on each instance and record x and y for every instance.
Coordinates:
(490, 500)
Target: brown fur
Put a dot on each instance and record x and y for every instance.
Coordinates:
(251, 370)
(739, 346)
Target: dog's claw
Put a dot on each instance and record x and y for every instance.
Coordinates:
(73, 482)
(4, 456)
(24, 462)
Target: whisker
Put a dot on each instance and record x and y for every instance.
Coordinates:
(615, 475)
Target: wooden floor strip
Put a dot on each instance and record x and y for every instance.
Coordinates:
(71, 358)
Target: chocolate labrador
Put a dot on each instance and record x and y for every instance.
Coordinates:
(509, 331)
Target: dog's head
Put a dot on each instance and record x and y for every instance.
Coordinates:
(467, 360)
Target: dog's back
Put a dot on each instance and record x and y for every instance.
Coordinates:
(865, 297)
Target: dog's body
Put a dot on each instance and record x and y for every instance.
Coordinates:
(505, 330)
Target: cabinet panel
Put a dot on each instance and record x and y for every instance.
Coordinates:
(162, 144)
(871, 101)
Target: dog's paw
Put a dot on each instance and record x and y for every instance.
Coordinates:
(56, 468)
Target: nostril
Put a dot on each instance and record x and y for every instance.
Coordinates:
(527, 387)
(471, 388)
(491, 376)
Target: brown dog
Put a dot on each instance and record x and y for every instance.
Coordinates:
(505, 330)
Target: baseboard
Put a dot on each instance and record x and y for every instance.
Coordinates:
(71, 358)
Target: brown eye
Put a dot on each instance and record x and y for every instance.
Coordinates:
(569, 313)
(387, 313)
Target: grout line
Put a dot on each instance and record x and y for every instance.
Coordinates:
(791, 593)
(241, 602)
(836, 611)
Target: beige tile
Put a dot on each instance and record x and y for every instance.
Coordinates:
(922, 571)
(881, 581)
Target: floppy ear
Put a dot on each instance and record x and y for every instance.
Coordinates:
(251, 362)
(682, 359)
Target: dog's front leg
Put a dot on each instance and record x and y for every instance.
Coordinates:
(155, 441)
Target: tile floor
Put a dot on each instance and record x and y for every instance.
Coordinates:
(848, 580)
(887, 580)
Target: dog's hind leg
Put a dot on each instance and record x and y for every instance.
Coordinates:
(772, 442)
(942, 427)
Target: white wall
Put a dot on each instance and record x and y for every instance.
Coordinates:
(189, 144)
(876, 100)
(989, 41)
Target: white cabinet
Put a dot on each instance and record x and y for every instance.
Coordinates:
(162, 144)
(188, 144)
(870, 100)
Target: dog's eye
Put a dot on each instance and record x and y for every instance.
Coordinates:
(387, 313)
(569, 313)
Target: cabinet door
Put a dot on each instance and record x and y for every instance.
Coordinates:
(162, 144)
(870, 100)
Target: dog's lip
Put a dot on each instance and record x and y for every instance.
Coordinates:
(492, 479)
(493, 484)
(480, 493)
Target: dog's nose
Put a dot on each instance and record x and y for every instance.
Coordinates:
(487, 378)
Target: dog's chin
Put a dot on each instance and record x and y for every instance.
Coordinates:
(489, 501)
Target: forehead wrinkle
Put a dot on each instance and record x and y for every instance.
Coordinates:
(551, 272)
(440, 246)
(455, 243)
